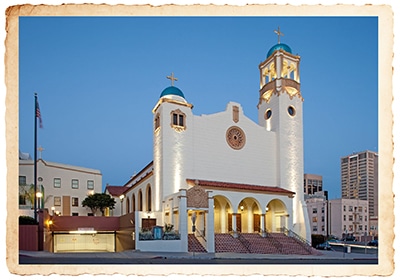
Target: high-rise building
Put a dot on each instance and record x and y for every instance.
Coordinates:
(359, 178)
(312, 183)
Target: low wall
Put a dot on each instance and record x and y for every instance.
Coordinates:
(160, 246)
(28, 237)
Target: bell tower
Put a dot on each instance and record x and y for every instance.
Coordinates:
(280, 110)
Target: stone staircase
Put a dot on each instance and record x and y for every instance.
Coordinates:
(194, 245)
(253, 243)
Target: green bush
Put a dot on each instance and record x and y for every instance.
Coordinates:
(26, 220)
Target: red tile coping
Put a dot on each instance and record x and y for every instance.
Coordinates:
(238, 186)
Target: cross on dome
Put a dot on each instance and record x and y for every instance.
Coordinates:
(279, 33)
(172, 78)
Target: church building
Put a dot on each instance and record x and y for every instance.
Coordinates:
(223, 172)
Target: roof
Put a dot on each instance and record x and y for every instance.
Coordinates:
(279, 46)
(240, 187)
(172, 91)
(116, 190)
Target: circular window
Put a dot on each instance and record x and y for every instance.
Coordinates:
(291, 110)
(268, 114)
(235, 137)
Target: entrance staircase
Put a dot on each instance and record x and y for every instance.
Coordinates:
(253, 243)
(194, 244)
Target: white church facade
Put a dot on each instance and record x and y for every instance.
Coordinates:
(223, 172)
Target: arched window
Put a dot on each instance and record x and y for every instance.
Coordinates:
(148, 196)
(127, 205)
(133, 203)
(140, 201)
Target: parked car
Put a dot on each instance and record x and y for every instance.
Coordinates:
(349, 239)
(324, 246)
(373, 243)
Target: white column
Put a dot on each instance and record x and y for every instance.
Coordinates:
(262, 225)
(183, 220)
(222, 216)
(234, 227)
(210, 225)
(250, 219)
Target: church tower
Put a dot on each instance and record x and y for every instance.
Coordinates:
(280, 110)
(173, 125)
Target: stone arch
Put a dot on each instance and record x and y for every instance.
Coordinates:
(276, 216)
(222, 209)
(249, 214)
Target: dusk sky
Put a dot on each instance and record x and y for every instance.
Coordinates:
(98, 78)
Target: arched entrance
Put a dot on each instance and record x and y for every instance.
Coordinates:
(276, 216)
(222, 206)
(248, 216)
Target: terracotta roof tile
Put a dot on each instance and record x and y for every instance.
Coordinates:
(116, 190)
(239, 187)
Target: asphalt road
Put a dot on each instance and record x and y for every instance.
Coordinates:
(84, 261)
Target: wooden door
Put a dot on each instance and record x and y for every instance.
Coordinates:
(238, 222)
(66, 206)
(256, 223)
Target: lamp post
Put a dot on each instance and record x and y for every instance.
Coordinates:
(194, 217)
(121, 197)
(38, 195)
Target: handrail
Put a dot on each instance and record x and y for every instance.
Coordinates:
(306, 244)
(275, 242)
(243, 240)
(201, 235)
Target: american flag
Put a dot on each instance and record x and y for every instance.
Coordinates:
(38, 115)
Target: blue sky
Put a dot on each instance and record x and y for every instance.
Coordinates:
(98, 79)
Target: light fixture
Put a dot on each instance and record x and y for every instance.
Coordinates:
(241, 207)
(122, 197)
(266, 208)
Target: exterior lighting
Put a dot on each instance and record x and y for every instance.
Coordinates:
(241, 208)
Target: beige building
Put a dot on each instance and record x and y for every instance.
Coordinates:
(62, 187)
(312, 183)
(317, 213)
(348, 217)
(359, 178)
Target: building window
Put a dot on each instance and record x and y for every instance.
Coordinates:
(140, 198)
(322, 218)
(350, 218)
(360, 218)
(57, 201)
(322, 228)
(75, 183)
(360, 227)
(148, 198)
(178, 120)
(344, 208)
(22, 199)
(344, 227)
(157, 121)
(366, 218)
(315, 219)
(57, 182)
(315, 228)
(323, 209)
(350, 227)
(22, 180)
(75, 214)
(90, 185)
(366, 227)
(344, 217)
(314, 210)
(350, 208)
(75, 201)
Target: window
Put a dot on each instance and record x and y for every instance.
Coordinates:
(350, 227)
(360, 218)
(315, 219)
(344, 228)
(22, 199)
(351, 208)
(57, 182)
(366, 228)
(75, 214)
(140, 201)
(178, 120)
(344, 208)
(344, 217)
(157, 121)
(22, 180)
(366, 218)
(350, 217)
(360, 227)
(322, 218)
(75, 183)
(75, 201)
(148, 202)
(315, 228)
(90, 185)
(57, 201)
(314, 210)
(323, 209)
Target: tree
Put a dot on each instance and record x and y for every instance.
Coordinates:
(98, 201)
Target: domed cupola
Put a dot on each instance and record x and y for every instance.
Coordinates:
(171, 90)
(279, 46)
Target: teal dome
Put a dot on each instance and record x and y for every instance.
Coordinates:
(172, 90)
(279, 46)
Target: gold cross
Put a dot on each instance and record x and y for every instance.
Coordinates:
(172, 78)
(279, 33)
(40, 149)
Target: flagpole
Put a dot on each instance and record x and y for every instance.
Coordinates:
(35, 162)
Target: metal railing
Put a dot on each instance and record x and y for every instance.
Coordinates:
(304, 242)
(243, 240)
(274, 242)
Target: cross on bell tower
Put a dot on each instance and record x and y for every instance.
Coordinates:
(279, 33)
(172, 78)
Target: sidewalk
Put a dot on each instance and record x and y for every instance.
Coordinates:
(173, 255)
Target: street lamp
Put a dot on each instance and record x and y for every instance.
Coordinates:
(38, 195)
